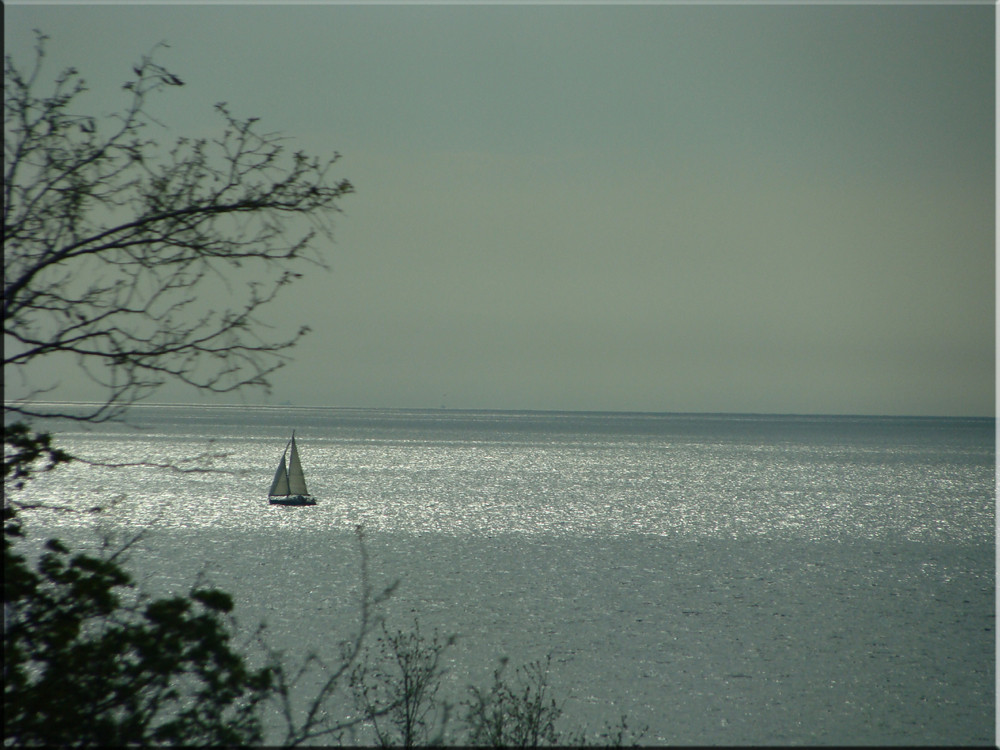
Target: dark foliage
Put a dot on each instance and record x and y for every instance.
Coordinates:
(23, 450)
(85, 663)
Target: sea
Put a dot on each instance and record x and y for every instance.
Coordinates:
(718, 579)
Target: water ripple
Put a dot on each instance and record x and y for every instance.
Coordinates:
(604, 485)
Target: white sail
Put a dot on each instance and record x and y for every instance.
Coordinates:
(280, 484)
(296, 479)
(289, 485)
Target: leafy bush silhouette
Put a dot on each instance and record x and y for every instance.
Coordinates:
(87, 664)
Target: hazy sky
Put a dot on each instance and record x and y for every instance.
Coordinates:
(779, 208)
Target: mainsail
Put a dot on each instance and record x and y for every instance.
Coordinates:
(296, 479)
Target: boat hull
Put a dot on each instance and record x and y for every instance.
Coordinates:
(292, 500)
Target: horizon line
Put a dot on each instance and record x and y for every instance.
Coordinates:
(457, 410)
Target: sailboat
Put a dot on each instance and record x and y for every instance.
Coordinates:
(289, 485)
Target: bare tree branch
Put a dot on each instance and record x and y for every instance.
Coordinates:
(148, 264)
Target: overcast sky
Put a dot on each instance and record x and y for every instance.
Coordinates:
(724, 208)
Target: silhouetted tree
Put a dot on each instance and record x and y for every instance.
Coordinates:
(109, 245)
(142, 263)
(23, 450)
(85, 663)
(396, 686)
(521, 713)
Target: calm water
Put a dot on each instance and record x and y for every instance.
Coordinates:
(720, 579)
